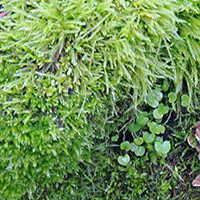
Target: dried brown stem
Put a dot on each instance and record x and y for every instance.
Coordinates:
(3, 14)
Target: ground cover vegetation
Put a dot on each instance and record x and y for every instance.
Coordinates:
(97, 99)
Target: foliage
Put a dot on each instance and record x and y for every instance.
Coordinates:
(148, 127)
(146, 130)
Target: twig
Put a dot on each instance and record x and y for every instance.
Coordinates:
(169, 167)
(3, 14)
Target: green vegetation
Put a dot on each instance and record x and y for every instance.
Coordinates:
(97, 98)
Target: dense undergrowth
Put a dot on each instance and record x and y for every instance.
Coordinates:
(80, 78)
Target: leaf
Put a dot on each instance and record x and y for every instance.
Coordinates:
(142, 119)
(153, 98)
(138, 141)
(133, 147)
(156, 128)
(140, 151)
(148, 138)
(125, 146)
(123, 160)
(185, 100)
(115, 138)
(172, 97)
(157, 114)
(163, 109)
(162, 148)
(161, 128)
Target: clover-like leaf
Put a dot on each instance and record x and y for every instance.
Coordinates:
(172, 97)
(140, 151)
(162, 109)
(148, 138)
(123, 160)
(133, 146)
(152, 126)
(156, 128)
(185, 100)
(142, 118)
(153, 98)
(162, 147)
(115, 138)
(125, 146)
(157, 114)
(161, 128)
(138, 141)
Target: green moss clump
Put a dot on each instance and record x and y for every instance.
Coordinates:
(68, 67)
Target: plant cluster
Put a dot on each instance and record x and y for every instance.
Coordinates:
(148, 127)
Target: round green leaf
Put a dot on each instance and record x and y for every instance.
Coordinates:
(161, 128)
(172, 97)
(123, 160)
(142, 119)
(148, 138)
(115, 138)
(157, 114)
(133, 147)
(138, 141)
(155, 128)
(163, 109)
(153, 98)
(166, 147)
(185, 100)
(125, 146)
(140, 151)
(163, 148)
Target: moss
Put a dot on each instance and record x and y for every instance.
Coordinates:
(71, 71)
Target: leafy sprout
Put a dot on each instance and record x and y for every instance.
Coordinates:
(156, 128)
(153, 98)
(162, 147)
(125, 146)
(185, 100)
(124, 160)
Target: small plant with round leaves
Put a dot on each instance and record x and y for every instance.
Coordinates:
(147, 130)
(185, 100)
